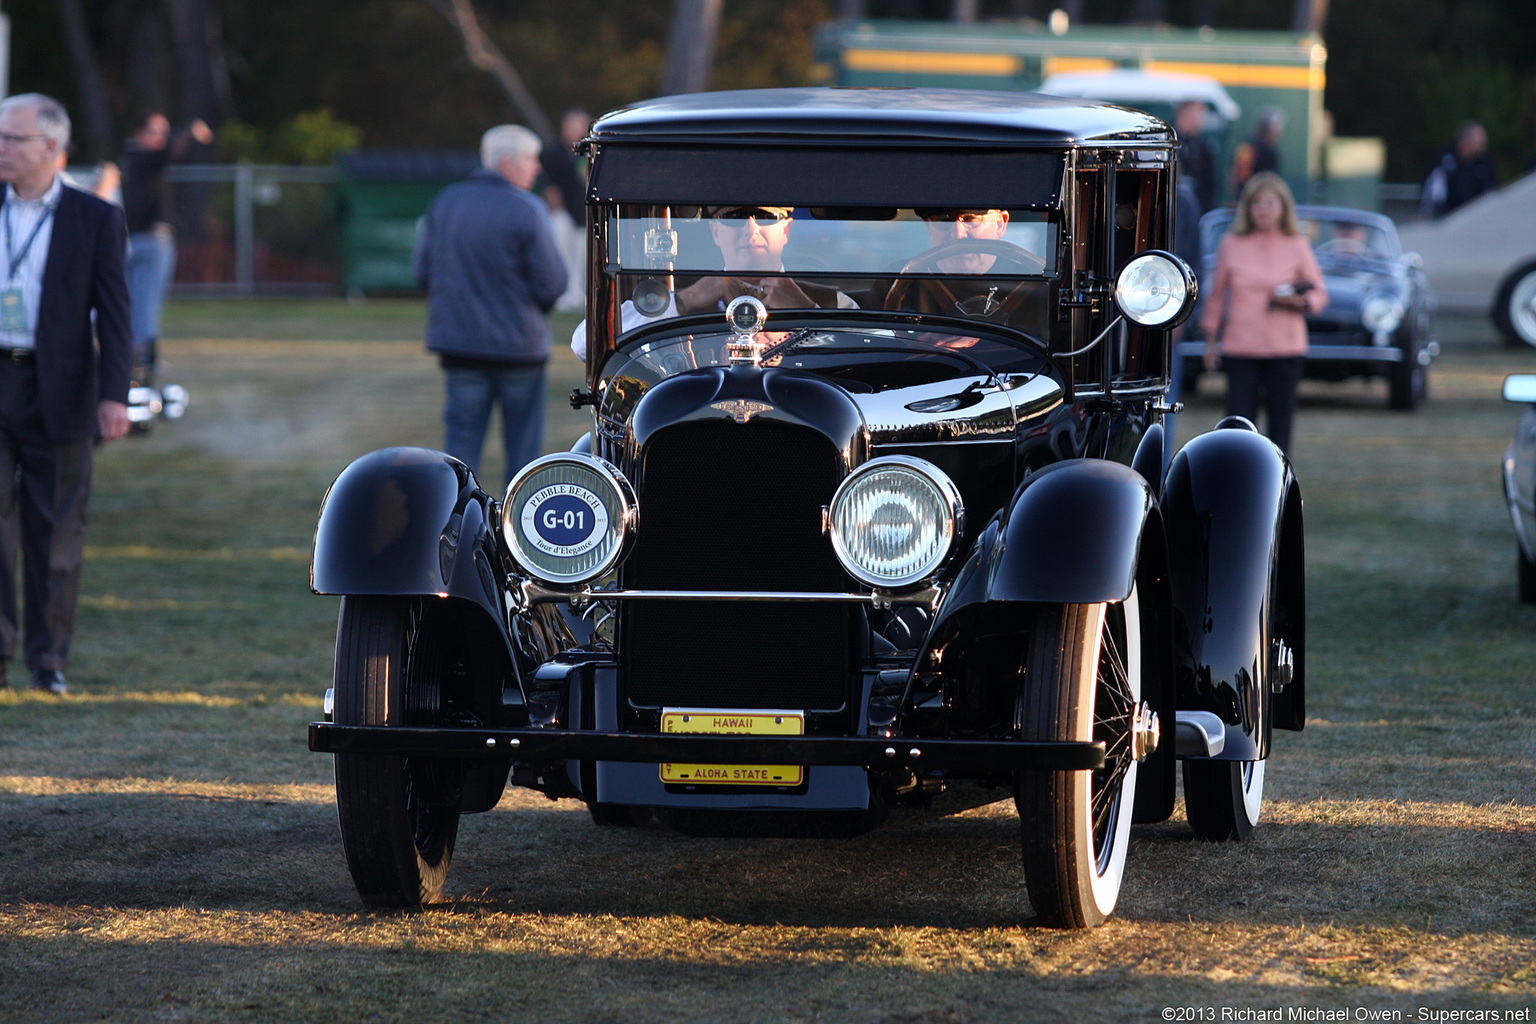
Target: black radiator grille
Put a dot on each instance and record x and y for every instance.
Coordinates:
(728, 506)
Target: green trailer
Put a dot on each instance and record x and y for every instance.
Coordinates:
(381, 195)
(1257, 69)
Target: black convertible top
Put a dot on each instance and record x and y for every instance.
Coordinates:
(844, 117)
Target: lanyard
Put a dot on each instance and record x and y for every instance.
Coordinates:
(10, 238)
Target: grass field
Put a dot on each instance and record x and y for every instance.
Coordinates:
(170, 850)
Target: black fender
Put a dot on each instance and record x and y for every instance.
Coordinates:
(1076, 532)
(407, 521)
(1232, 509)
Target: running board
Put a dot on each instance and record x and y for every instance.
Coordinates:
(1199, 734)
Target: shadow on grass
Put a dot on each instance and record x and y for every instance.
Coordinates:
(154, 852)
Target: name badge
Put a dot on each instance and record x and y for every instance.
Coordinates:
(13, 310)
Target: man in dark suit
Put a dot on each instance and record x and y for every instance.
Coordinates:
(63, 375)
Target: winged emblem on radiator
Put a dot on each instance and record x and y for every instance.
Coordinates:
(741, 409)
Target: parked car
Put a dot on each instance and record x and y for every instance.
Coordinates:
(1481, 258)
(1378, 323)
(892, 522)
(1520, 482)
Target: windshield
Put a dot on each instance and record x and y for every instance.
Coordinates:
(1343, 239)
(836, 241)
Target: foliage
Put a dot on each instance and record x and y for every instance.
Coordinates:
(395, 69)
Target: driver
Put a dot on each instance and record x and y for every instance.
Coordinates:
(945, 226)
(1350, 238)
(751, 241)
(955, 227)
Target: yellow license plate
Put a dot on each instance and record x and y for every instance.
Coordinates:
(733, 723)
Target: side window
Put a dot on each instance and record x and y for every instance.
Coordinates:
(1141, 218)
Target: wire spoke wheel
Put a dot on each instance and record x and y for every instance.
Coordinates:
(399, 816)
(1082, 681)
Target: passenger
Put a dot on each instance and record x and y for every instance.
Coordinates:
(751, 241)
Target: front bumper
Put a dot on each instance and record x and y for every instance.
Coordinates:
(554, 745)
(1330, 352)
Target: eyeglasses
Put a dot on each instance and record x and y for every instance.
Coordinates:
(737, 216)
(960, 216)
(7, 139)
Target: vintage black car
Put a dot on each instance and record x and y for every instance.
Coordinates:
(872, 509)
(1378, 321)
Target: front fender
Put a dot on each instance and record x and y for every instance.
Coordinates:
(406, 521)
(1232, 508)
(1070, 536)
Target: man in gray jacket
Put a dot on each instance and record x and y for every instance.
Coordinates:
(486, 257)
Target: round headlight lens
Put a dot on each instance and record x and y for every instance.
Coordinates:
(1381, 313)
(567, 518)
(1156, 289)
(894, 520)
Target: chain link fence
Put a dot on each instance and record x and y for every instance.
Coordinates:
(256, 229)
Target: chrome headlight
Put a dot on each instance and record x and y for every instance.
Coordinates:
(1381, 314)
(894, 520)
(1156, 289)
(568, 518)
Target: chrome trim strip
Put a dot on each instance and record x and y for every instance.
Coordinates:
(529, 593)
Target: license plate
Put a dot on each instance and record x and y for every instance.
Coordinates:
(733, 723)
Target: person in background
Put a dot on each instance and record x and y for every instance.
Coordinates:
(151, 231)
(565, 190)
(487, 259)
(1261, 151)
(1462, 173)
(1187, 247)
(1266, 281)
(66, 354)
(1197, 156)
(108, 183)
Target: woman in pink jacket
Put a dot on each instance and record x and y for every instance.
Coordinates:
(1266, 281)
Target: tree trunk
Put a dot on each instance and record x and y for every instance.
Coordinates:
(1308, 16)
(691, 48)
(93, 114)
(192, 36)
(484, 55)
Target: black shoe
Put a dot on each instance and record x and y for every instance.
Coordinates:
(49, 680)
(3, 683)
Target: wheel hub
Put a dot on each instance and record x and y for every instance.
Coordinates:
(1146, 731)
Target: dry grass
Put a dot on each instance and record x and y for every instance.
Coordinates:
(171, 851)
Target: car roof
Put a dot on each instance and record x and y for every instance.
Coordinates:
(1135, 86)
(850, 116)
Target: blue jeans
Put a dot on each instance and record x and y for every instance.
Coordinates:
(150, 266)
(467, 414)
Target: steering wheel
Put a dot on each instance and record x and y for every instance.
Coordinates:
(1012, 258)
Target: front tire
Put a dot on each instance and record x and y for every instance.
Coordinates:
(1082, 681)
(399, 816)
(1514, 310)
(1525, 574)
(1407, 383)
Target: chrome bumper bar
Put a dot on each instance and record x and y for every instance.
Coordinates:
(550, 745)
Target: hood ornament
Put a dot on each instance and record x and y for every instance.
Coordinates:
(745, 316)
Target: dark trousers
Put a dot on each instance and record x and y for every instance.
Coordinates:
(1277, 378)
(43, 491)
